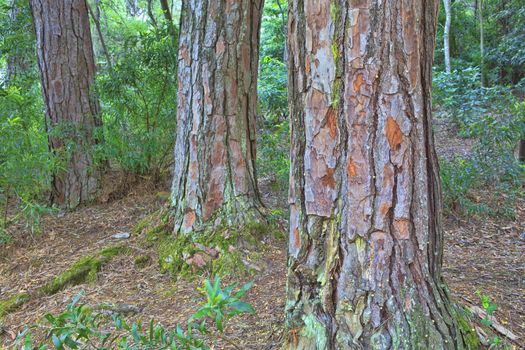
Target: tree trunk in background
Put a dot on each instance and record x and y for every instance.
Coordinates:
(132, 7)
(366, 241)
(521, 151)
(169, 19)
(67, 67)
(482, 43)
(214, 175)
(446, 35)
(16, 62)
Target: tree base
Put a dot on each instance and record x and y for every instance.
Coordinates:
(215, 249)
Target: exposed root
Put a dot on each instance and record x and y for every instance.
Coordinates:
(84, 270)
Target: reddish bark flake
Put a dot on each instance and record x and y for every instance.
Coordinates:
(351, 168)
(393, 133)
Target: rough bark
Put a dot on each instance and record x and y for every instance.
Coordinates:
(446, 35)
(67, 67)
(214, 175)
(366, 241)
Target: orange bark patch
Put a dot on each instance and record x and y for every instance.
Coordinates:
(189, 219)
(219, 47)
(246, 57)
(328, 179)
(351, 168)
(402, 228)
(307, 66)
(393, 133)
(385, 207)
(296, 239)
(358, 82)
(184, 54)
(331, 122)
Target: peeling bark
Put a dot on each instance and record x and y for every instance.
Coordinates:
(214, 180)
(67, 68)
(366, 241)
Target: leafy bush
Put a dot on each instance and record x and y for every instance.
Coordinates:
(494, 118)
(492, 165)
(462, 98)
(272, 88)
(273, 153)
(138, 104)
(80, 327)
(25, 161)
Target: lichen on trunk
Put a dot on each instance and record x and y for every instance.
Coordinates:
(366, 241)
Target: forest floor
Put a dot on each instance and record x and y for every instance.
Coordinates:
(485, 255)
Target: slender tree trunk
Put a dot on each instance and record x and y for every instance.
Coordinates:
(132, 7)
(67, 67)
(482, 43)
(214, 176)
(169, 19)
(95, 16)
(150, 14)
(366, 241)
(17, 62)
(446, 35)
(521, 151)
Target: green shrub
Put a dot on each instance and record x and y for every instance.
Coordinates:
(138, 103)
(272, 89)
(81, 327)
(273, 153)
(26, 165)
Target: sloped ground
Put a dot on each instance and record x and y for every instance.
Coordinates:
(480, 254)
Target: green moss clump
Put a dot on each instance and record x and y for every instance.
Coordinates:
(469, 334)
(13, 303)
(157, 218)
(142, 261)
(83, 270)
(230, 243)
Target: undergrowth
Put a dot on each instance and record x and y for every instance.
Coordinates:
(80, 327)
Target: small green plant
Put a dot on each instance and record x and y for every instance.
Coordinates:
(221, 305)
(81, 327)
(489, 308)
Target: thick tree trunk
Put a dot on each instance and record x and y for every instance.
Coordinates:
(366, 243)
(67, 67)
(446, 35)
(214, 176)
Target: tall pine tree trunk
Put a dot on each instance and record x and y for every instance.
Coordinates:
(214, 180)
(366, 242)
(67, 67)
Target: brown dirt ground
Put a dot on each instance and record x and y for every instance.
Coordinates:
(480, 254)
